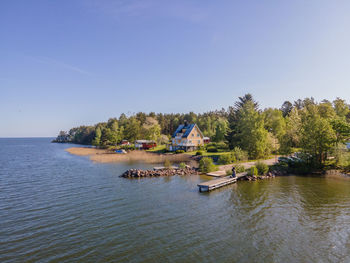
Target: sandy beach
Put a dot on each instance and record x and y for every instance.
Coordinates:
(106, 156)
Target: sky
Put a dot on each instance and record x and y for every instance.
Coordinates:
(79, 62)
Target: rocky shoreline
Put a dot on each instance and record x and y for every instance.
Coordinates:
(262, 177)
(137, 173)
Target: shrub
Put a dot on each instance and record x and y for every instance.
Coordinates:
(225, 159)
(229, 172)
(179, 151)
(199, 153)
(239, 168)
(167, 163)
(253, 171)
(343, 160)
(222, 146)
(206, 165)
(182, 165)
(263, 168)
(239, 154)
(127, 147)
(233, 157)
(212, 149)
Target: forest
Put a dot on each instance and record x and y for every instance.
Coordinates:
(317, 129)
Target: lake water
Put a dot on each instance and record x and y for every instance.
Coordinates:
(56, 207)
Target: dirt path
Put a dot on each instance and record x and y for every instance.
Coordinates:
(247, 164)
(223, 168)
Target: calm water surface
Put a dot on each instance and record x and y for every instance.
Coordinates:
(56, 207)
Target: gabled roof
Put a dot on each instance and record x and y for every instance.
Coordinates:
(188, 128)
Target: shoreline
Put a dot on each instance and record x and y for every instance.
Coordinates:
(106, 156)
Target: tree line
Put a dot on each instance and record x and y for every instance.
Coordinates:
(316, 128)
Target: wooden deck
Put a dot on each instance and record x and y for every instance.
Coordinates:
(217, 183)
(217, 174)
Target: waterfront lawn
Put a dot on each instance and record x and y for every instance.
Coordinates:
(158, 149)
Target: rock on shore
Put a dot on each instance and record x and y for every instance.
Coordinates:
(135, 173)
(261, 177)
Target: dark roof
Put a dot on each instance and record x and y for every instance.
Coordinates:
(188, 128)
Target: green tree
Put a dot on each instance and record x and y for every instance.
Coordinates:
(275, 123)
(250, 132)
(132, 129)
(341, 107)
(292, 135)
(206, 165)
(234, 116)
(220, 130)
(317, 135)
(97, 139)
(342, 130)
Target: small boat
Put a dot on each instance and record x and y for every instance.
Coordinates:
(120, 151)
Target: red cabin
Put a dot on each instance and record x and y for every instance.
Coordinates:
(145, 144)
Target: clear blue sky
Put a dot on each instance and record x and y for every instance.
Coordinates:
(73, 62)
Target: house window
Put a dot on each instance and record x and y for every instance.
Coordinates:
(192, 134)
(197, 134)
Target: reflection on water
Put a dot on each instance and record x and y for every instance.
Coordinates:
(59, 207)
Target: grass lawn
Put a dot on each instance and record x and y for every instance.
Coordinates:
(208, 153)
(158, 148)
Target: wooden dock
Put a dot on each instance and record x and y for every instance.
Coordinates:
(220, 182)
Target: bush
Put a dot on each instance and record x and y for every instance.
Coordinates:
(253, 171)
(228, 172)
(206, 165)
(225, 159)
(127, 147)
(179, 151)
(239, 154)
(212, 149)
(343, 160)
(263, 168)
(182, 165)
(233, 157)
(167, 163)
(199, 153)
(239, 168)
(222, 146)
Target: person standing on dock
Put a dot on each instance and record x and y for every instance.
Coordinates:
(233, 172)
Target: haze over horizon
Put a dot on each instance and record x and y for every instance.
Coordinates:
(71, 63)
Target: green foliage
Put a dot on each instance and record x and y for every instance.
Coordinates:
(179, 151)
(253, 171)
(129, 147)
(262, 168)
(182, 165)
(167, 163)
(240, 168)
(98, 135)
(228, 172)
(317, 135)
(239, 154)
(199, 153)
(225, 159)
(206, 165)
(217, 147)
(212, 149)
(342, 130)
(249, 131)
